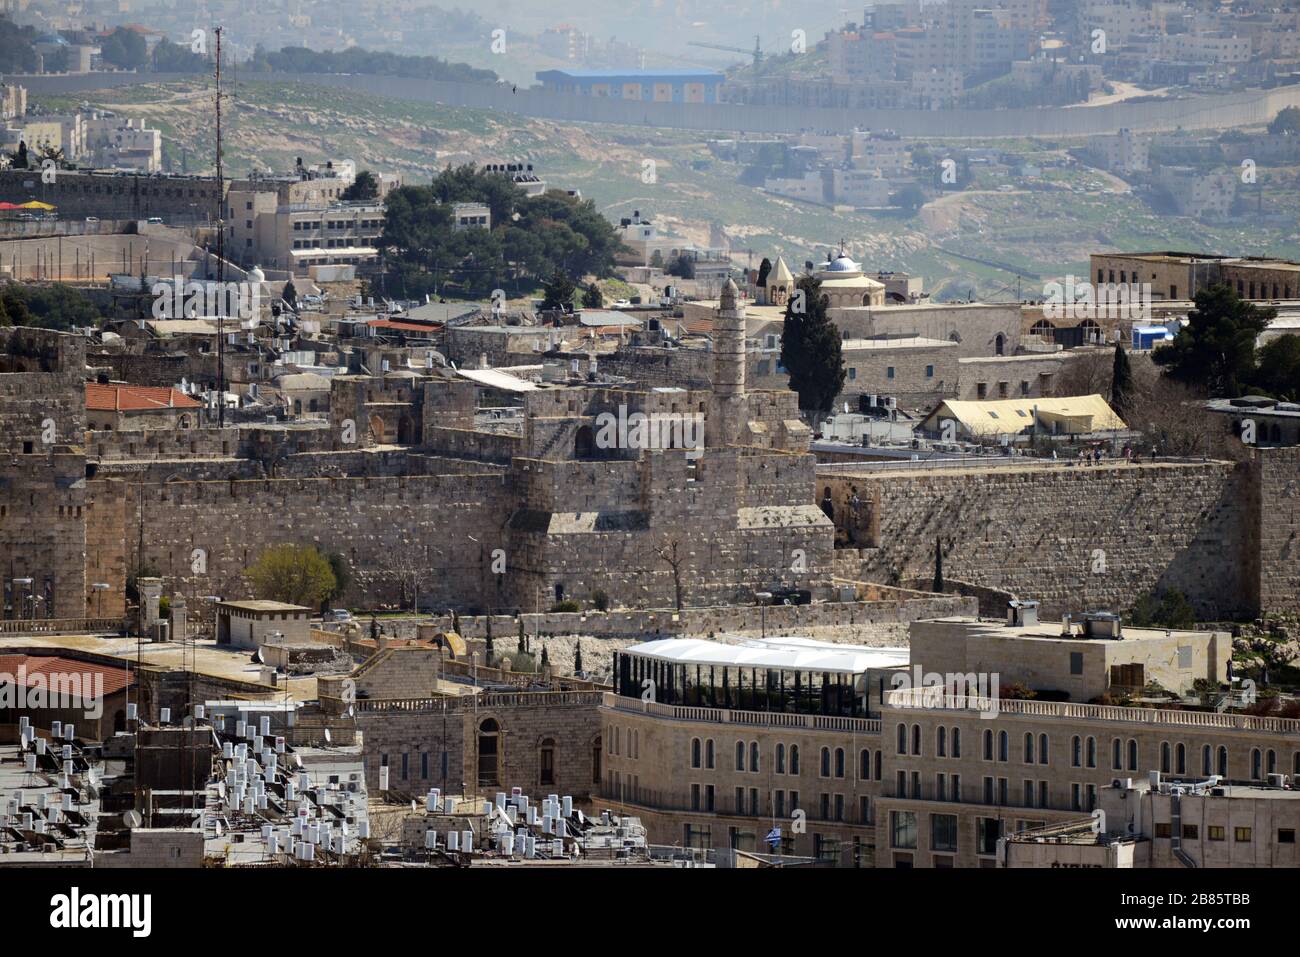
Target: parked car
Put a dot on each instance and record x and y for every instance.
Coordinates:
(340, 614)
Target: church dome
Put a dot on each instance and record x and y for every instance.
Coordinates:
(843, 264)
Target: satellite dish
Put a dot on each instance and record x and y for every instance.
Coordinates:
(220, 830)
(352, 711)
(257, 656)
(412, 805)
(327, 735)
(132, 819)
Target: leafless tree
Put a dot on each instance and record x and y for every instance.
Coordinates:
(670, 552)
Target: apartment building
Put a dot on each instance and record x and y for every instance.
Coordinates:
(293, 223)
(1180, 275)
(1171, 821)
(853, 757)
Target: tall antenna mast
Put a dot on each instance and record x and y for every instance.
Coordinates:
(221, 258)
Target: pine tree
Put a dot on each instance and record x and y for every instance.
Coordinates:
(810, 348)
(764, 268)
(1121, 382)
(546, 661)
(559, 291)
(523, 642)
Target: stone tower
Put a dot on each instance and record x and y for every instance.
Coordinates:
(729, 409)
(729, 344)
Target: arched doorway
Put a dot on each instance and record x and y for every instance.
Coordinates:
(489, 742)
(999, 344)
(584, 443)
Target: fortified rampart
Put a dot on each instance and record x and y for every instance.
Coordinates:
(1071, 537)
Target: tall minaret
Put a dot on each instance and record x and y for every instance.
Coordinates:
(729, 344)
(728, 421)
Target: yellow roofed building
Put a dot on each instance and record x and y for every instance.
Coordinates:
(1070, 415)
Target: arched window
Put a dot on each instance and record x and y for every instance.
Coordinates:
(695, 752)
(1271, 764)
(794, 759)
(826, 762)
(1223, 762)
(1207, 766)
(1166, 756)
(1092, 753)
(1132, 754)
(956, 742)
(1076, 752)
(595, 761)
(489, 738)
(940, 741)
(864, 765)
(999, 344)
(740, 755)
(1044, 330)
(988, 745)
(1029, 747)
(546, 761)
(1003, 745)
(839, 762)
(1256, 764)
(1116, 755)
(916, 739)
(902, 739)
(708, 754)
(1042, 749)
(753, 757)
(780, 757)
(1180, 759)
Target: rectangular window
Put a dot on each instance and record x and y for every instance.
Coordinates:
(1215, 832)
(889, 372)
(1164, 831)
(929, 372)
(1191, 832)
(943, 832)
(1076, 662)
(1241, 834)
(1286, 835)
(902, 828)
(987, 832)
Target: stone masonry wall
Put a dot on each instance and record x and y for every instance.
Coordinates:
(1071, 538)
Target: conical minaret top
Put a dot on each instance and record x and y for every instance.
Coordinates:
(729, 293)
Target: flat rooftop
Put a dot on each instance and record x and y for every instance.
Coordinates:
(1051, 631)
(786, 654)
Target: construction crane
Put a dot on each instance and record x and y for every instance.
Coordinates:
(757, 51)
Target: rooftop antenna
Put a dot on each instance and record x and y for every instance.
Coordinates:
(221, 256)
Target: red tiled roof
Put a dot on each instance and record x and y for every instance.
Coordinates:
(55, 668)
(115, 397)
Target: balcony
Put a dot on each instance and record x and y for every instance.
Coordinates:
(930, 699)
(757, 719)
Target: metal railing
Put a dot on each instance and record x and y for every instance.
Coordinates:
(484, 702)
(925, 699)
(62, 626)
(762, 719)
